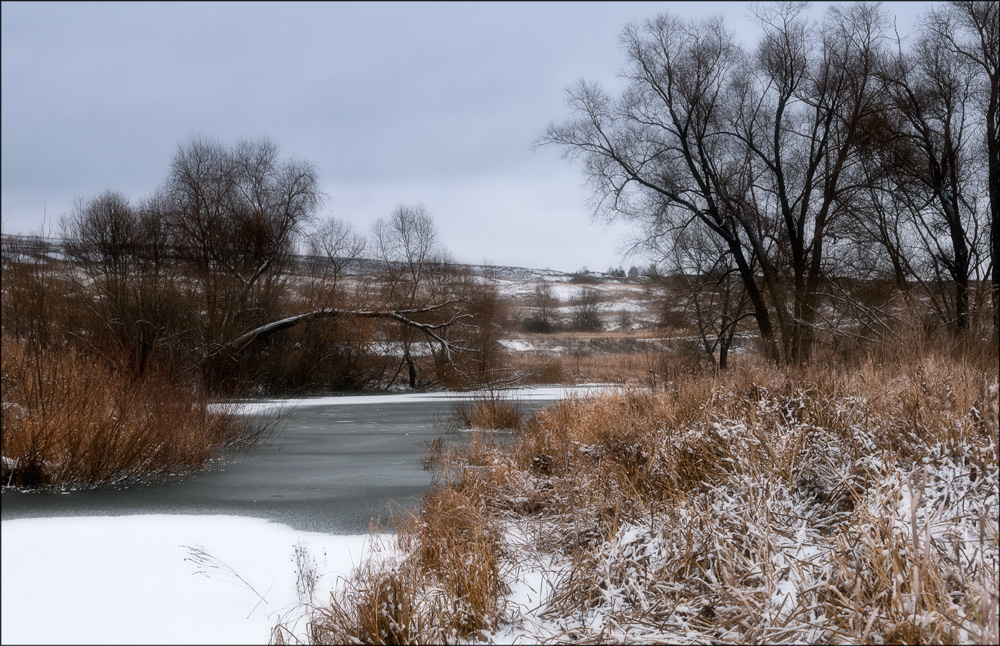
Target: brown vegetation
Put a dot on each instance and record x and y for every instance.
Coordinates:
(849, 502)
(70, 421)
(489, 410)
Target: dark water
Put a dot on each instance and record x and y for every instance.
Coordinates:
(329, 468)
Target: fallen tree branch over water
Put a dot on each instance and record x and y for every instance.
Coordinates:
(404, 316)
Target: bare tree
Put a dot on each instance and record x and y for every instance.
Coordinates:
(587, 310)
(715, 297)
(971, 30)
(932, 88)
(752, 148)
(235, 212)
(416, 294)
(653, 155)
(100, 236)
(123, 250)
(406, 243)
(216, 245)
(544, 302)
(337, 244)
(801, 118)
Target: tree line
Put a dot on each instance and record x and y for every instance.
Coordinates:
(832, 150)
(202, 275)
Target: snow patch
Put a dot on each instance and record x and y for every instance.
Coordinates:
(132, 579)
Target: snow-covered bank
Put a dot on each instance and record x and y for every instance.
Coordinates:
(541, 393)
(135, 579)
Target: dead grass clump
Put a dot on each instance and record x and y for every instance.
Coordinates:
(379, 604)
(73, 422)
(448, 585)
(489, 410)
(908, 562)
(456, 541)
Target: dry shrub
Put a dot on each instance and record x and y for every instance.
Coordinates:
(71, 421)
(379, 605)
(462, 548)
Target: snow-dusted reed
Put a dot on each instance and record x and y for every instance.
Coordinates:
(844, 505)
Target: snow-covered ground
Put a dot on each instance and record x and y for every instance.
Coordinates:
(159, 579)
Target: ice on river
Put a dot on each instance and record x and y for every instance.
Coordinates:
(533, 393)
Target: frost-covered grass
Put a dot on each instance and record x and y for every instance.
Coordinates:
(833, 504)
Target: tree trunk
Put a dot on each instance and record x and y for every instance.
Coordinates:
(411, 369)
(993, 161)
(760, 312)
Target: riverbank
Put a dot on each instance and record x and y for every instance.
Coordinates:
(842, 504)
(73, 422)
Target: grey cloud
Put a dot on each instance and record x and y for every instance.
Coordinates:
(377, 95)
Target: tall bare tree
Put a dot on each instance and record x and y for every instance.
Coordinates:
(235, 212)
(406, 244)
(971, 30)
(932, 86)
(810, 89)
(754, 148)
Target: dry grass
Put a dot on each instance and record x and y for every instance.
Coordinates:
(648, 367)
(852, 503)
(448, 587)
(73, 422)
(489, 410)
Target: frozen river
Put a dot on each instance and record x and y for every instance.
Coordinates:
(335, 464)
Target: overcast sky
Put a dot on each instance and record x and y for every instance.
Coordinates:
(393, 102)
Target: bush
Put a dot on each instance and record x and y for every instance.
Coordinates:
(537, 325)
(490, 410)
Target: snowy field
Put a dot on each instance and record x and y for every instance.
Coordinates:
(139, 579)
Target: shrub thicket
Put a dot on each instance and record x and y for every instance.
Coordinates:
(70, 421)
